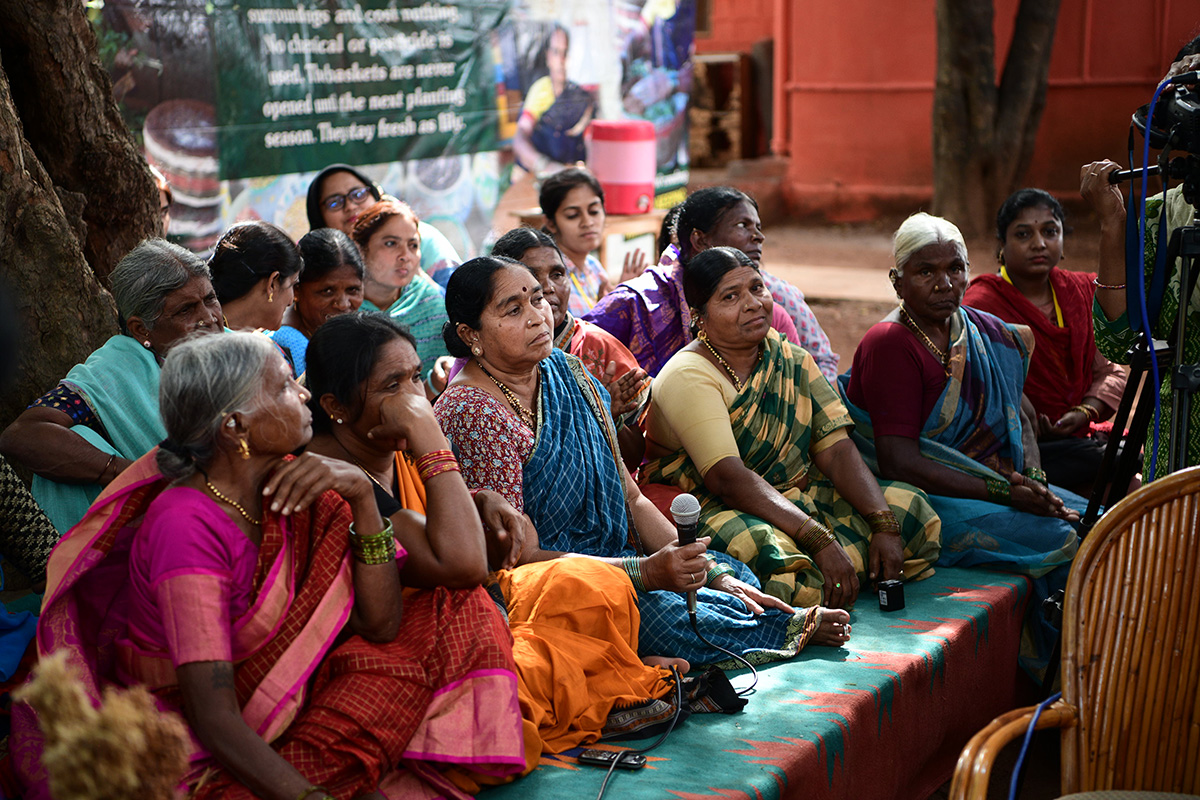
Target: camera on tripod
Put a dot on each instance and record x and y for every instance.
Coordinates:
(1174, 126)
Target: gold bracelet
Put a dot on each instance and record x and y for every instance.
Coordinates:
(1090, 412)
(104, 469)
(883, 522)
(814, 537)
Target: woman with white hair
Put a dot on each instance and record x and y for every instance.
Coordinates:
(935, 393)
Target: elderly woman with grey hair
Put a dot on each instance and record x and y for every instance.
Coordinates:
(259, 595)
(104, 414)
(935, 393)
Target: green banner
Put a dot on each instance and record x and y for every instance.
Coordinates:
(301, 85)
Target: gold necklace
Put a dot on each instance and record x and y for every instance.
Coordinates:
(367, 472)
(527, 416)
(737, 382)
(217, 494)
(912, 325)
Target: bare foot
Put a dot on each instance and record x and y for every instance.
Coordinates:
(666, 663)
(833, 627)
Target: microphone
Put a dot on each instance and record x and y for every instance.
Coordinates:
(1116, 176)
(685, 510)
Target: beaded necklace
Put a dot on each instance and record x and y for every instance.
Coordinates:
(911, 324)
(527, 416)
(737, 382)
(217, 494)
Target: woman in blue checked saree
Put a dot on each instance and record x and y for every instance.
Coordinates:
(528, 421)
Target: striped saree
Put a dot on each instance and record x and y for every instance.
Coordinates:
(784, 408)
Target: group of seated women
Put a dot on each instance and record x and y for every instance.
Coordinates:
(415, 537)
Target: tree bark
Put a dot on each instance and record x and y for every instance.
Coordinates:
(65, 314)
(64, 99)
(75, 192)
(1023, 92)
(984, 133)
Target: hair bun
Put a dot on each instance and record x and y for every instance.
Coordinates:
(178, 450)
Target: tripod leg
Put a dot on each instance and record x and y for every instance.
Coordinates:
(1118, 466)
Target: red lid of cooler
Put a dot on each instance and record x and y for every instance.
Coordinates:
(621, 130)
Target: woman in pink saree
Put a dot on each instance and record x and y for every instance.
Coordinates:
(259, 595)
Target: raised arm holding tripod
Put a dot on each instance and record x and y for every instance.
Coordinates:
(1172, 126)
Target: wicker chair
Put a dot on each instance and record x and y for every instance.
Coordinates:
(1130, 710)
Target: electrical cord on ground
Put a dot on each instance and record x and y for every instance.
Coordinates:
(1016, 775)
(662, 738)
(679, 702)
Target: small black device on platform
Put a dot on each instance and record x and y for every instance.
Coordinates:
(604, 758)
(891, 595)
(685, 510)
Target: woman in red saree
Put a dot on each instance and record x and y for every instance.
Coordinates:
(574, 621)
(250, 595)
(1069, 383)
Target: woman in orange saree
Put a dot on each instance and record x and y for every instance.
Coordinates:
(574, 621)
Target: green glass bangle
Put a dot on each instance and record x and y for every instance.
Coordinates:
(999, 491)
(715, 570)
(378, 548)
(1036, 474)
(633, 568)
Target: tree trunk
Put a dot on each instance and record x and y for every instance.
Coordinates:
(1023, 93)
(75, 192)
(983, 134)
(64, 100)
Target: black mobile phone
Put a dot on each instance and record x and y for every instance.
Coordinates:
(604, 758)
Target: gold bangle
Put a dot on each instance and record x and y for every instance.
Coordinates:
(882, 522)
(104, 469)
(814, 537)
(1096, 282)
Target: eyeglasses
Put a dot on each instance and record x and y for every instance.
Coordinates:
(336, 201)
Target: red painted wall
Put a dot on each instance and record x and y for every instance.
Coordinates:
(858, 90)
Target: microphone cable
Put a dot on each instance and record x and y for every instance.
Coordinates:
(662, 738)
(730, 653)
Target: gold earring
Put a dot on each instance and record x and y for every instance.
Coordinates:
(702, 336)
(477, 351)
(244, 448)
(270, 295)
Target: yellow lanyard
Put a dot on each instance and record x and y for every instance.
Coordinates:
(584, 295)
(1053, 296)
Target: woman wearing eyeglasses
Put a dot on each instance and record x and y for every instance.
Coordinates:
(340, 194)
